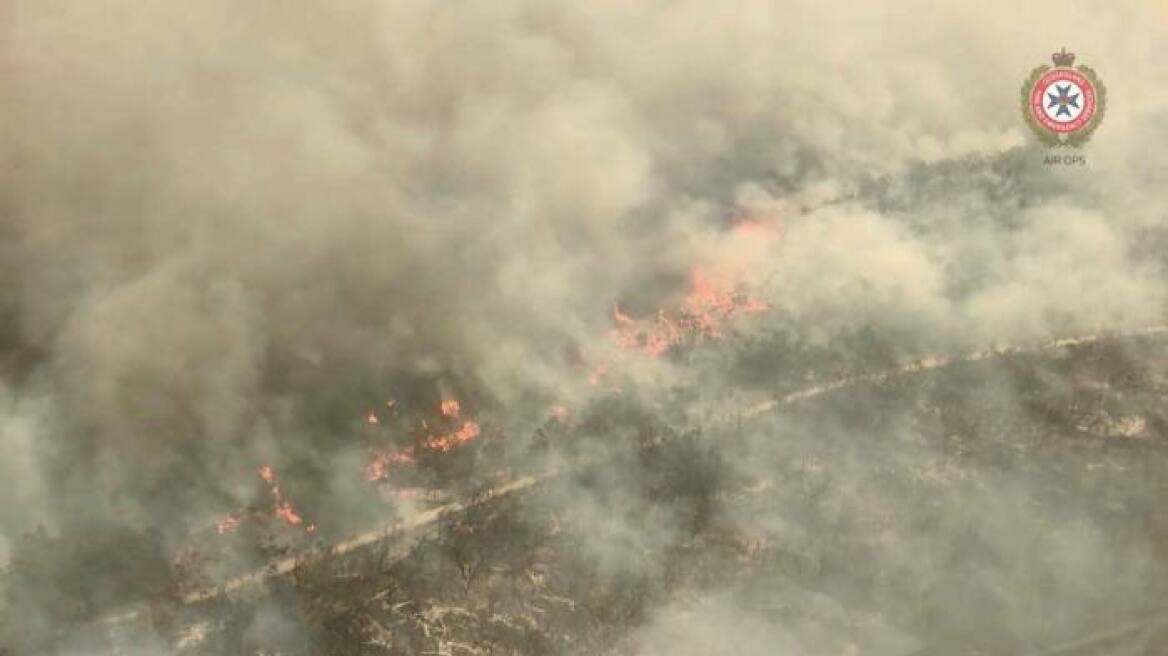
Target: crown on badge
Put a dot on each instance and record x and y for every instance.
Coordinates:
(1063, 58)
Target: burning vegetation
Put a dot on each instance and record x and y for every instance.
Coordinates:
(520, 573)
(461, 430)
(617, 329)
(704, 312)
(644, 511)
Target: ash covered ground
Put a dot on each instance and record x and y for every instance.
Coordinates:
(278, 275)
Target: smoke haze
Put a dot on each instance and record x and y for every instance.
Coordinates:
(228, 229)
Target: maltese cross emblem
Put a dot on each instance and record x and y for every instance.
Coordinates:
(1063, 104)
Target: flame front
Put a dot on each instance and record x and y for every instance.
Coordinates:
(467, 432)
(712, 300)
(379, 464)
(449, 408)
(282, 507)
(704, 312)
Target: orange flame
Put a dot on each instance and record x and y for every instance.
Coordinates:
(378, 467)
(709, 304)
(704, 310)
(282, 506)
(286, 512)
(467, 432)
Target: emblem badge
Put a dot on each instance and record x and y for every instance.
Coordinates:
(1063, 103)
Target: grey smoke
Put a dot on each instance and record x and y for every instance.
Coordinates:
(227, 230)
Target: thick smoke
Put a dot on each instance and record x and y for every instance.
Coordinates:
(228, 229)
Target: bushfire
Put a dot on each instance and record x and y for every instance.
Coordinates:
(703, 313)
(451, 410)
(713, 298)
(282, 508)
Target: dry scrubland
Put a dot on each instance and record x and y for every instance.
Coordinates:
(1000, 506)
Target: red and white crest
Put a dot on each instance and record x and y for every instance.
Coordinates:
(1063, 104)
